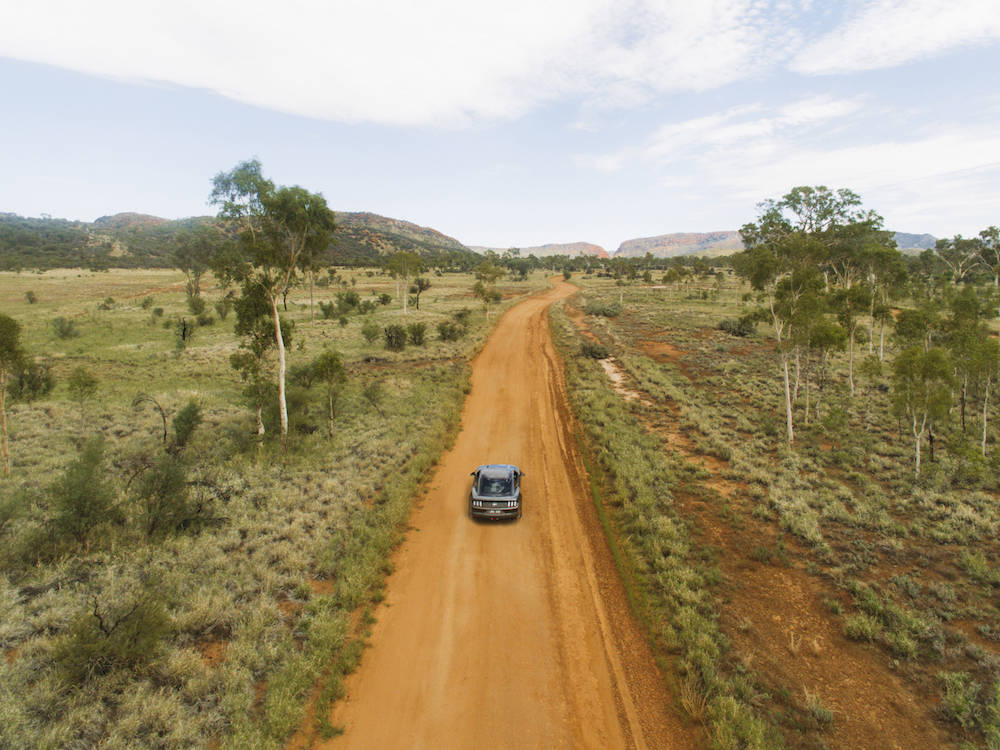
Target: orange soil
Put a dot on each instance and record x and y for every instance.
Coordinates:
(781, 627)
(515, 634)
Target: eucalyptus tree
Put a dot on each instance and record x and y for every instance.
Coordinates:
(192, 252)
(848, 303)
(965, 335)
(885, 274)
(781, 264)
(959, 254)
(989, 252)
(280, 232)
(922, 387)
(402, 266)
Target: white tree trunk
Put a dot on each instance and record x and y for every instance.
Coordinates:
(986, 398)
(788, 400)
(282, 406)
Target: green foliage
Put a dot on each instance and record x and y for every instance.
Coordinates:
(450, 331)
(162, 498)
(196, 305)
(223, 307)
(31, 380)
(370, 330)
(30, 297)
(959, 701)
(185, 422)
(742, 327)
(603, 309)
(64, 328)
(111, 635)
(593, 350)
(83, 498)
(395, 338)
(416, 333)
(82, 384)
(146, 302)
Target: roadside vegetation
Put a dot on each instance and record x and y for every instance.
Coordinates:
(805, 582)
(174, 574)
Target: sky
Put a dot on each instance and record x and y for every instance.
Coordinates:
(507, 124)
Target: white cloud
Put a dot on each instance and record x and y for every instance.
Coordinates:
(433, 62)
(885, 33)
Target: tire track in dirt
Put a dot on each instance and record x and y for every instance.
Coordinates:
(514, 634)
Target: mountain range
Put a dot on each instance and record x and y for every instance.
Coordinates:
(140, 240)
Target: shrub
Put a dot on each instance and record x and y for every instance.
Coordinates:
(81, 384)
(384, 299)
(82, 497)
(416, 332)
(158, 312)
(367, 306)
(30, 381)
(196, 305)
(206, 319)
(604, 309)
(959, 700)
(185, 422)
(395, 338)
(738, 327)
(222, 307)
(347, 301)
(370, 330)
(107, 304)
(146, 302)
(64, 328)
(462, 316)
(449, 331)
(113, 634)
(328, 309)
(30, 297)
(162, 497)
(593, 350)
(567, 274)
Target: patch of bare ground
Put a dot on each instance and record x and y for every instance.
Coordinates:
(10, 655)
(213, 652)
(778, 617)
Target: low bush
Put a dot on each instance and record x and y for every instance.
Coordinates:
(416, 333)
(738, 327)
(64, 328)
(603, 309)
(395, 338)
(370, 330)
(450, 331)
(593, 350)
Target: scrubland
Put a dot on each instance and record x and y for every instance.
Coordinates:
(219, 584)
(814, 595)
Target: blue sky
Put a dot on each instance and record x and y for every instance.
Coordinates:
(510, 124)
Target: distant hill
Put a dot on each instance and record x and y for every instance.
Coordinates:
(915, 242)
(132, 240)
(368, 236)
(572, 249)
(681, 243)
(724, 243)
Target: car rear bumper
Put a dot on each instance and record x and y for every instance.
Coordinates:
(495, 514)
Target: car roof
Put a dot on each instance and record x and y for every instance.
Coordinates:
(497, 469)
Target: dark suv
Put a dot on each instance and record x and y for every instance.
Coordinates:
(496, 492)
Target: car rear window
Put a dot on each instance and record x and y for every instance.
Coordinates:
(495, 486)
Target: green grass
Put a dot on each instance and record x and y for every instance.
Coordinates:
(905, 565)
(290, 547)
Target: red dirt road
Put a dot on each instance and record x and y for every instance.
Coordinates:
(511, 634)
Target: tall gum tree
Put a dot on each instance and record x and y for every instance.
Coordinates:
(280, 232)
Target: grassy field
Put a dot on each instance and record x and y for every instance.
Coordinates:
(820, 596)
(214, 627)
